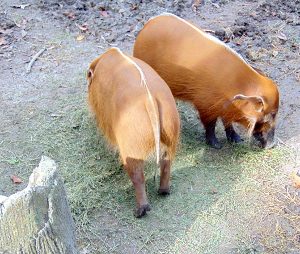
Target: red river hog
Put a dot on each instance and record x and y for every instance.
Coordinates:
(201, 69)
(135, 110)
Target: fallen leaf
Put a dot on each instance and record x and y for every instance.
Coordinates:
(22, 6)
(296, 180)
(196, 4)
(282, 36)
(23, 33)
(213, 191)
(80, 37)
(13, 161)
(55, 115)
(83, 27)
(134, 7)
(104, 13)
(2, 41)
(15, 179)
(69, 14)
(215, 5)
(22, 23)
(275, 53)
(7, 31)
(75, 126)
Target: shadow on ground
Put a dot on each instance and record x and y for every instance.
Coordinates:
(214, 195)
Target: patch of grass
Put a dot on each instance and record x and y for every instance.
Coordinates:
(219, 200)
(12, 161)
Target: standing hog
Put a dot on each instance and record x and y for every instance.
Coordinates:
(137, 114)
(202, 70)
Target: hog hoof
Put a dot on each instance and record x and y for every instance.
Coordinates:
(164, 192)
(214, 144)
(234, 138)
(142, 211)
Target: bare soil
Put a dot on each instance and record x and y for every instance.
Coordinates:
(44, 112)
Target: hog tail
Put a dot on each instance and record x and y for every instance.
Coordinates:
(152, 110)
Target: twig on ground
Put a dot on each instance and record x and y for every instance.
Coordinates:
(196, 4)
(34, 58)
(281, 142)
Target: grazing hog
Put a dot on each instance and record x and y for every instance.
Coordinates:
(137, 114)
(204, 71)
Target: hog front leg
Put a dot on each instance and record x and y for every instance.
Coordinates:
(231, 134)
(210, 134)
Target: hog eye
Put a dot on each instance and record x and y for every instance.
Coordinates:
(258, 126)
(273, 115)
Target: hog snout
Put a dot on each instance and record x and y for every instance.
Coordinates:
(266, 139)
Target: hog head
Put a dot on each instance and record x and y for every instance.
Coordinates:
(259, 117)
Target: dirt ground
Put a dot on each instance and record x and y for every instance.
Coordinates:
(237, 200)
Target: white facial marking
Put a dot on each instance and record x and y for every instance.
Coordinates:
(268, 118)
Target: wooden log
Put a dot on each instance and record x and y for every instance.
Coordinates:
(38, 220)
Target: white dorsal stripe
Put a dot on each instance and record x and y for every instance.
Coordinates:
(208, 36)
(144, 83)
(142, 75)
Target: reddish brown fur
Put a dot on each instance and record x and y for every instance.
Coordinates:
(202, 70)
(126, 113)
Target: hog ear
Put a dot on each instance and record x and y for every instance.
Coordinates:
(257, 101)
(89, 76)
(91, 71)
(259, 71)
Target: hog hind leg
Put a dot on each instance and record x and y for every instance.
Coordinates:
(165, 172)
(135, 170)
